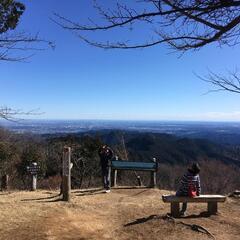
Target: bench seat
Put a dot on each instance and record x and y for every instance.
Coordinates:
(211, 200)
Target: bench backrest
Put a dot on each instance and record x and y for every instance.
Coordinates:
(137, 166)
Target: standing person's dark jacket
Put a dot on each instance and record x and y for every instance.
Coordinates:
(105, 154)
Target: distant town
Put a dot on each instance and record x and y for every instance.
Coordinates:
(220, 132)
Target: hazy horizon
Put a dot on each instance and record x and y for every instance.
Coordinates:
(22, 120)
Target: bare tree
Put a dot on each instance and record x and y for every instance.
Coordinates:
(14, 45)
(183, 24)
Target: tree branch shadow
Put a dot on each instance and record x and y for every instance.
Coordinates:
(5, 193)
(164, 217)
(131, 187)
(142, 220)
(204, 214)
(134, 195)
(87, 190)
(51, 201)
(91, 192)
(39, 199)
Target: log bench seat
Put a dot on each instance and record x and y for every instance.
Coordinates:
(211, 200)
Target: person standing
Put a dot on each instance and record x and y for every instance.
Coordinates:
(189, 185)
(105, 153)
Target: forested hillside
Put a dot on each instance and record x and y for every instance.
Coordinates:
(169, 148)
(173, 154)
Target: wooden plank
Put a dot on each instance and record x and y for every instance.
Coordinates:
(201, 198)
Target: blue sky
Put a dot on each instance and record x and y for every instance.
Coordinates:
(77, 81)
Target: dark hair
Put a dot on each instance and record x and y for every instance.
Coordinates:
(195, 169)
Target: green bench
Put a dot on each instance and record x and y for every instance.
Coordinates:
(152, 167)
(211, 200)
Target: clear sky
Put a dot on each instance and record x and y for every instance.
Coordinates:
(77, 81)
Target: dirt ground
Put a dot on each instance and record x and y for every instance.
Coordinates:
(122, 214)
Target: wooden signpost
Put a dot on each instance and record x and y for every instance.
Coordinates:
(33, 169)
(66, 176)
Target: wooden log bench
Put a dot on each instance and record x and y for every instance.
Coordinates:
(134, 166)
(211, 200)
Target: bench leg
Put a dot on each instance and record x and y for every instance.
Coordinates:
(115, 178)
(175, 209)
(212, 207)
(153, 183)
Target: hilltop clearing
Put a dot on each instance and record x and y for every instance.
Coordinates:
(123, 214)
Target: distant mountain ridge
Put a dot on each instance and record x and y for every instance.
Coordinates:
(165, 147)
(221, 133)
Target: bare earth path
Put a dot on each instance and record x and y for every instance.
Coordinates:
(123, 214)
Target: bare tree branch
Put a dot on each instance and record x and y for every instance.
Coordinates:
(11, 114)
(20, 46)
(15, 46)
(220, 82)
(183, 24)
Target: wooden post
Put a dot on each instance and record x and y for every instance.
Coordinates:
(212, 207)
(66, 176)
(115, 175)
(153, 176)
(139, 181)
(109, 173)
(34, 177)
(4, 185)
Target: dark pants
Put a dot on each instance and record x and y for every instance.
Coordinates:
(184, 205)
(105, 175)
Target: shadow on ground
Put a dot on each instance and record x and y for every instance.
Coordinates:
(164, 217)
(143, 220)
(44, 198)
(90, 192)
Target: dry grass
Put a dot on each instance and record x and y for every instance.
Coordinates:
(123, 214)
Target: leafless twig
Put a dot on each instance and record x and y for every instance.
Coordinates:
(182, 24)
(220, 82)
(11, 114)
